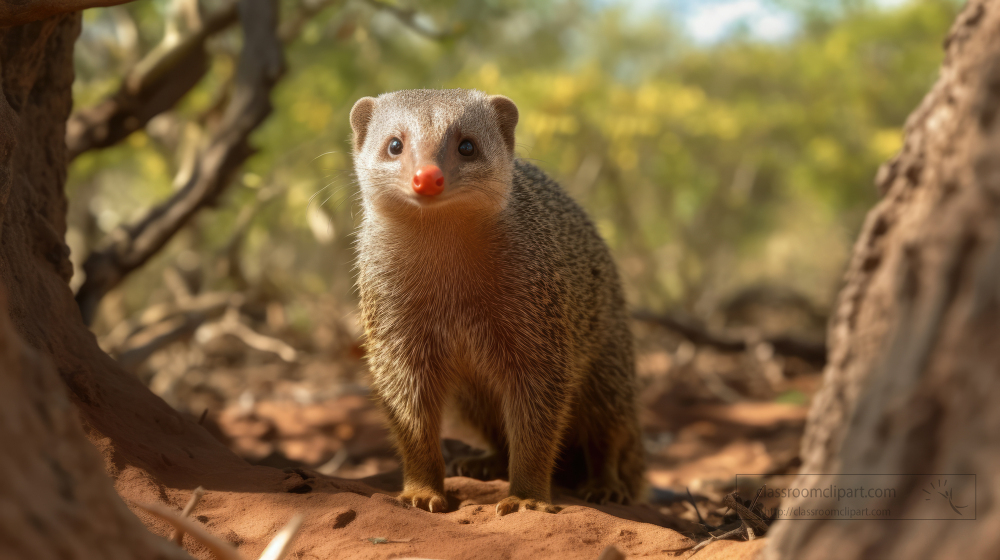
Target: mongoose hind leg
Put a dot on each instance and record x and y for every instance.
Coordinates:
(488, 466)
(612, 441)
(615, 465)
(478, 410)
(603, 483)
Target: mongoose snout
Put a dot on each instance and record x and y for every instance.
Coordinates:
(523, 329)
(428, 180)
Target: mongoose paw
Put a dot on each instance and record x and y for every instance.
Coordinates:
(425, 499)
(511, 504)
(486, 467)
(601, 494)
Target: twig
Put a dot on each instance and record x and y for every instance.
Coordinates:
(750, 525)
(275, 550)
(727, 535)
(331, 467)
(221, 549)
(811, 352)
(752, 522)
(196, 495)
(278, 547)
(701, 520)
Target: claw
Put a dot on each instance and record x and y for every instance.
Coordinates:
(425, 500)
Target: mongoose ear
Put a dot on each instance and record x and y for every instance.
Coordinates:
(361, 115)
(506, 113)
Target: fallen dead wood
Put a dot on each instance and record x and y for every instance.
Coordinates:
(209, 304)
(811, 352)
(230, 324)
(164, 334)
(203, 317)
(261, 65)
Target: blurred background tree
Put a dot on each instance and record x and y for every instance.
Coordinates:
(725, 149)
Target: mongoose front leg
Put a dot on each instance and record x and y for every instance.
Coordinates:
(534, 417)
(415, 420)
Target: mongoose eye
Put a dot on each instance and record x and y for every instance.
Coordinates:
(466, 148)
(395, 146)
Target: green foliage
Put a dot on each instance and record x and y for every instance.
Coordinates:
(707, 168)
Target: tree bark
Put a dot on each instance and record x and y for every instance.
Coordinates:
(911, 385)
(64, 506)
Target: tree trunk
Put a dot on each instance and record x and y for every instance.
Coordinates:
(911, 385)
(57, 501)
(55, 498)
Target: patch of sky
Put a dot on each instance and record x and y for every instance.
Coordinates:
(709, 21)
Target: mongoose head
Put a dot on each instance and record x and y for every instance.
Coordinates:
(420, 151)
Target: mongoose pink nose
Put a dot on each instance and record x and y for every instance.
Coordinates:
(428, 180)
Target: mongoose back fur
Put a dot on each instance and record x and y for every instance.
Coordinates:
(493, 294)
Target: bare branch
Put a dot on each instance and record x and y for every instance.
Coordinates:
(812, 352)
(261, 65)
(164, 77)
(155, 84)
(20, 13)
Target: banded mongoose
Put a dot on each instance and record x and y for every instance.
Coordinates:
(484, 286)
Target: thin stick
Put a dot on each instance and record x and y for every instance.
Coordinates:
(714, 538)
(279, 545)
(695, 506)
(196, 495)
(221, 549)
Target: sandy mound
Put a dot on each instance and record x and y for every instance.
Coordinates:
(352, 519)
